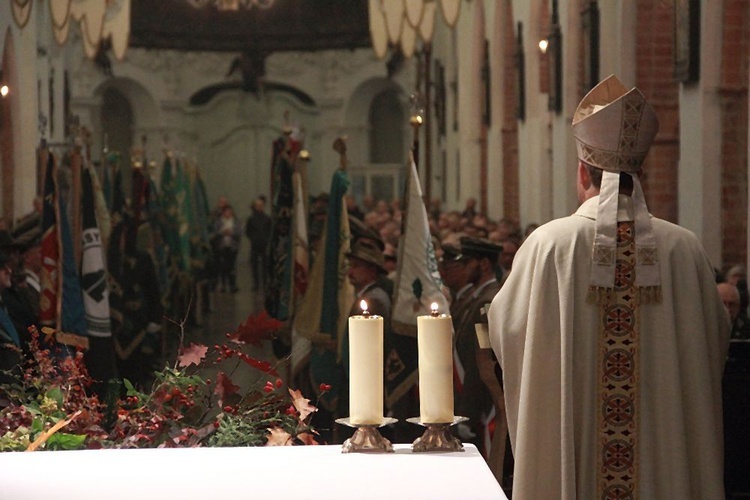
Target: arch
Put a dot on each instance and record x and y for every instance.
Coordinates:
(357, 115)
(117, 120)
(143, 104)
(358, 105)
(386, 119)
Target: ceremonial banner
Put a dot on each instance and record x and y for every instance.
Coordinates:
(140, 195)
(49, 301)
(118, 197)
(300, 344)
(103, 220)
(73, 314)
(418, 283)
(279, 293)
(416, 288)
(323, 312)
(175, 224)
(93, 272)
(199, 239)
(100, 359)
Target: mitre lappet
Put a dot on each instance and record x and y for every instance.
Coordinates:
(614, 128)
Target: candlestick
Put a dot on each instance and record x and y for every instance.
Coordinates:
(437, 437)
(435, 345)
(366, 369)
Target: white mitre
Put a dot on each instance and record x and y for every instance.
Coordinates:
(614, 128)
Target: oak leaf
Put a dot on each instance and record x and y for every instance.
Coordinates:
(192, 355)
(308, 439)
(278, 437)
(224, 387)
(255, 329)
(302, 404)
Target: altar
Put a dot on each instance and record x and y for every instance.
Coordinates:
(294, 472)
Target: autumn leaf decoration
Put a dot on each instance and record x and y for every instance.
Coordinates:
(192, 355)
(255, 329)
(302, 404)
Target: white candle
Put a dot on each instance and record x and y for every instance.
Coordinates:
(435, 343)
(366, 369)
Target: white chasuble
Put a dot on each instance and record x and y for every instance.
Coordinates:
(602, 401)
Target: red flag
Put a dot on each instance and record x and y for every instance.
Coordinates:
(49, 301)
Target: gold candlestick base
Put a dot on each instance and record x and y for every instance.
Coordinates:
(367, 438)
(437, 436)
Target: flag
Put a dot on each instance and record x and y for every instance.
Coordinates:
(100, 359)
(416, 288)
(107, 168)
(49, 300)
(418, 283)
(300, 345)
(103, 220)
(140, 197)
(118, 197)
(173, 193)
(199, 239)
(279, 292)
(323, 312)
(93, 272)
(72, 312)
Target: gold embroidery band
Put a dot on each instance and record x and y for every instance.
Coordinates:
(617, 408)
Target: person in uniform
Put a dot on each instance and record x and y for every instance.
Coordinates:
(136, 308)
(611, 334)
(472, 398)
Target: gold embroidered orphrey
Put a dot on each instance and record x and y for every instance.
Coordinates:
(619, 381)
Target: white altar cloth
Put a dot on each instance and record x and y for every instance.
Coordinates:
(293, 472)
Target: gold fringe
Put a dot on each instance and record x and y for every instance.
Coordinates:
(644, 295)
(649, 295)
(600, 295)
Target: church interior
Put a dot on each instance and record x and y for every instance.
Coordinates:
(480, 93)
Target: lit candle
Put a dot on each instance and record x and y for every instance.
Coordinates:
(435, 343)
(366, 368)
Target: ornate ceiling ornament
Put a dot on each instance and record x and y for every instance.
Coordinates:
(98, 19)
(401, 23)
(21, 11)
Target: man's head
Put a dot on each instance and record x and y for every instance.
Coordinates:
(365, 263)
(453, 269)
(259, 205)
(510, 247)
(730, 296)
(482, 256)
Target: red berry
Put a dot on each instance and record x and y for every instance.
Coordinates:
(268, 388)
(324, 387)
(216, 424)
(228, 409)
(279, 383)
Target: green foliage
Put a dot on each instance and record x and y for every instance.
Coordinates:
(50, 404)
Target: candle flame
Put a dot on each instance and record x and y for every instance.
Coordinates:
(363, 305)
(434, 308)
